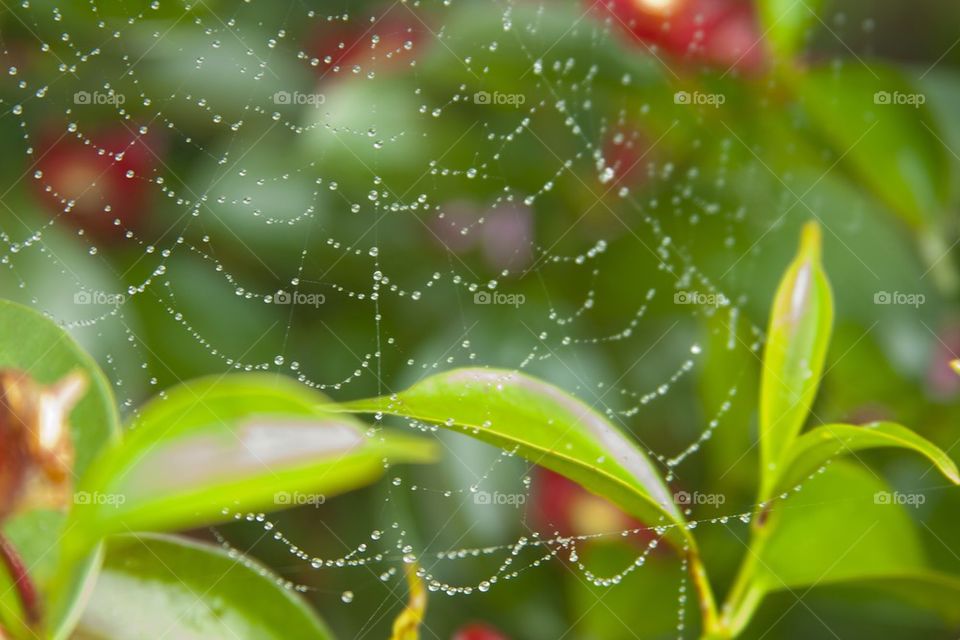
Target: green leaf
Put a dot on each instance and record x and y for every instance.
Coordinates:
(838, 528)
(892, 148)
(33, 343)
(932, 590)
(243, 442)
(785, 21)
(68, 589)
(816, 447)
(797, 338)
(543, 424)
(154, 586)
(12, 616)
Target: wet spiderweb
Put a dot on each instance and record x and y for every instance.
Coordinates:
(360, 195)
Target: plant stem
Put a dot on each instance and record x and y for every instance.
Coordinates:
(27, 592)
(745, 595)
(708, 605)
(743, 598)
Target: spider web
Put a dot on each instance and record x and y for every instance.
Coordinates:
(359, 195)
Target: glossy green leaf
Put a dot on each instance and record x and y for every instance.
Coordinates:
(842, 526)
(543, 424)
(785, 23)
(816, 447)
(245, 442)
(878, 123)
(797, 338)
(157, 586)
(33, 343)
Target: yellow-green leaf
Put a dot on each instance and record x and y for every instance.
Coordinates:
(406, 626)
(545, 425)
(797, 339)
(814, 448)
(244, 442)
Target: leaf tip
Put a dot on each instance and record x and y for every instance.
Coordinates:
(951, 472)
(955, 365)
(406, 626)
(811, 241)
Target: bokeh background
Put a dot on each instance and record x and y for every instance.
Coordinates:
(172, 169)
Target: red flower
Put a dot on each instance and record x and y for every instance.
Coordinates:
(477, 631)
(724, 33)
(564, 506)
(93, 182)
